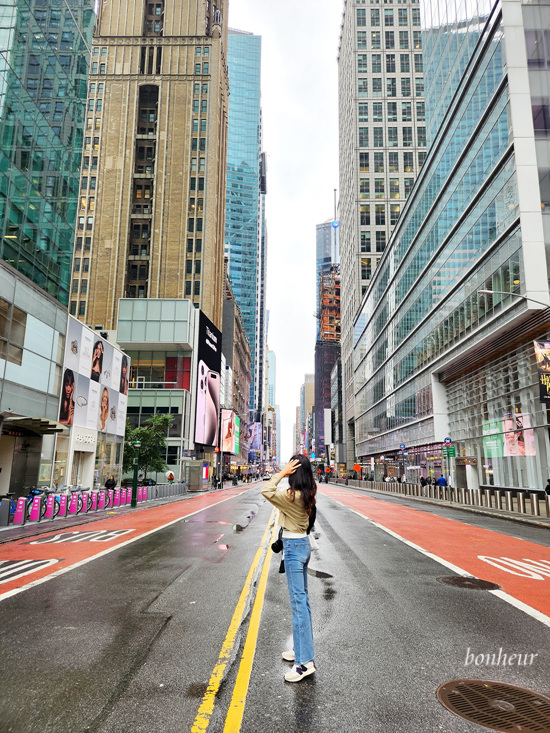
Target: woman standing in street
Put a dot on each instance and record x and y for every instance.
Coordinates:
(295, 505)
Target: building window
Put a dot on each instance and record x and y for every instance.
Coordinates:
(390, 63)
(376, 62)
(365, 241)
(409, 183)
(393, 162)
(364, 188)
(405, 63)
(390, 39)
(362, 63)
(378, 162)
(380, 241)
(379, 188)
(392, 137)
(380, 215)
(363, 88)
(421, 135)
(377, 87)
(394, 188)
(361, 39)
(404, 40)
(377, 115)
(82, 308)
(416, 16)
(417, 39)
(375, 41)
(364, 215)
(419, 86)
(392, 111)
(378, 135)
(408, 162)
(374, 17)
(363, 137)
(361, 17)
(421, 159)
(420, 112)
(364, 162)
(406, 111)
(407, 137)
(395, 210)
(197, 287)
(388, 16)
(418, 63)
(188, 288)
(363, 112)
(391, 87)
(405, 87)
(84, 287)
(73, 307)
(365, 270)
(402, 15)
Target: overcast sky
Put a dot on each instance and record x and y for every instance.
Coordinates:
(300, 115)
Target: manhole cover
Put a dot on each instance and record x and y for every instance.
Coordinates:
(459, 581)
(497, 705)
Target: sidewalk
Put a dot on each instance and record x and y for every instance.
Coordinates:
(32, 529)
(485, 511)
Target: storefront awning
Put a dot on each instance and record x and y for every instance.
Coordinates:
(38, 425)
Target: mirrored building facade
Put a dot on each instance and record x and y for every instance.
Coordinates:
(435, 357)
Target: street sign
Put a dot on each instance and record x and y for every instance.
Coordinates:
(402, 446)
(447, 441)
(356, 467)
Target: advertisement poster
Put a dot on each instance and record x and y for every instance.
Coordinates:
(208, 382)
(519, 440)
(493, 445)
(229, 429)
(92, 378)
(237, 435)
(542, 355)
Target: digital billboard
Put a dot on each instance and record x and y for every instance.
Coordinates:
(209, 361)
(229, 430)
(94, 392)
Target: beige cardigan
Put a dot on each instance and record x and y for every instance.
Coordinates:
(292, 514)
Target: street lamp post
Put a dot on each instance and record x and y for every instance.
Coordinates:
(517, 295)
(137, 445)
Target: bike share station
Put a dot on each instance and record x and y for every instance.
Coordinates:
(49, 504)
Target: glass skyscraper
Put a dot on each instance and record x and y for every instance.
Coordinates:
(443, 343)
(44, 59)
(245, 236)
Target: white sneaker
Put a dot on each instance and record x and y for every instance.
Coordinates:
(300, 671)
(288, 656)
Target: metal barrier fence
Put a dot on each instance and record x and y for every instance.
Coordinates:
(85, 501)
(532, 503)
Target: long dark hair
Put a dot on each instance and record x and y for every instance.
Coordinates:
(302, 480)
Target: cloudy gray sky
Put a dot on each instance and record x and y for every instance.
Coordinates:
(300, 114)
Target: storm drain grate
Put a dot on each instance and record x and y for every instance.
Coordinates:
(497, 705)
(459, 581)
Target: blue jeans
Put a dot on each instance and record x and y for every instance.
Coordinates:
(297, 553)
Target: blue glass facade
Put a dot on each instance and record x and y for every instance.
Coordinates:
(44, 59)
(430, 354)
(244, 236)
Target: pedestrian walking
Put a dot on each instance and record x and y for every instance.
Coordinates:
(423, 483)
(295, 504)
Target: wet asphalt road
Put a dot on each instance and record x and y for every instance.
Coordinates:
(128, 641)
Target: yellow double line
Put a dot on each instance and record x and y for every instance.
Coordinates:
(236, 708)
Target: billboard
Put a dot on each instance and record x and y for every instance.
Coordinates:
(209, 362)
(94, 392)
(542, 355)
(511, 436)
(231, 432)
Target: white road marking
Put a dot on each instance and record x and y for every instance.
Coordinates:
(538, 615)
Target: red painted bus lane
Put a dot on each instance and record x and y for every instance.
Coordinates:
(22, 563)
(521, 568)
